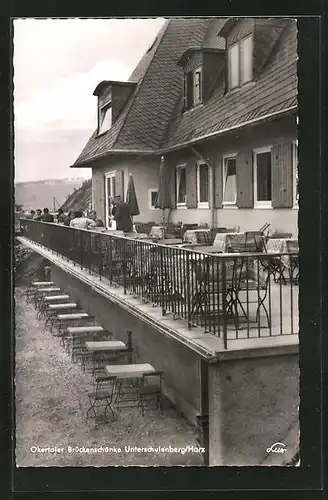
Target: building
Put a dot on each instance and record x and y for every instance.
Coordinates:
(218, 99)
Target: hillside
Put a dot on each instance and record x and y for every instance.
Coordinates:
(80, 198)
(40, 194)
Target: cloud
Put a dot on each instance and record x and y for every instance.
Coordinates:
(49, 155)
(57, 65)
(68, 101)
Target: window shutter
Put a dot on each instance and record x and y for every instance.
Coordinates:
(218, 184)
(119, 184)
(174, 173)
(244, 178)
(191, 185)
(98, 188)
(173, 184)
(282, 176)
(190, 89)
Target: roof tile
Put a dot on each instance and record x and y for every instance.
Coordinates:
(152, 119)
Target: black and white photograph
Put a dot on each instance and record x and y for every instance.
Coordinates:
(156, 242)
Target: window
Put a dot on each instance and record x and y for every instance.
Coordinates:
(110, 191)
(192, 90)
(197, 81)
(295, 171)
(202, 185)
(233, 66)
(105, 118)
(262, 178)
(229, 180)
(181, 185)
(152, 196)
(240, 63)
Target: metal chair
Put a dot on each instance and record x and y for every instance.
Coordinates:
(150, 391)
(102, 397)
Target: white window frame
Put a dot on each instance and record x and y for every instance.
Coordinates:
(230, 65)
(203, 204)
(108, 175)
(103, 110)
(177, 169)
(260, 204)
(295, 171)
(150, 192)
(198, 100)
(224, 172)
(241, 60)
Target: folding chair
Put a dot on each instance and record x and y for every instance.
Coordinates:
(60, 321)
(34, 286)
(50, 299)
(254, 241)
(150, 391)
(40, 292)
(102, 397)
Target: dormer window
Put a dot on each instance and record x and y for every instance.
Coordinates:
(192, 88)
(197, 81)
(105, 118)
(240, 62)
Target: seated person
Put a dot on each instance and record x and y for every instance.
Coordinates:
(80, 222)
(95, 218)
(38, 214)
(30, 215)
(61, 217)
(46, 216)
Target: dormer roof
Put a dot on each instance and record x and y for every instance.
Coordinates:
(151, 120)
(107, 83)
(191, 50)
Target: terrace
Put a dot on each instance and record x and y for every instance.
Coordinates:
(216, 302)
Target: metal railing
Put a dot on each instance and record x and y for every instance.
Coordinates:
(233, 296)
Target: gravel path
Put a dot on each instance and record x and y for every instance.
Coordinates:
(51, 404)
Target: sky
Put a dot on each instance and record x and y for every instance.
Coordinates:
(57, 65)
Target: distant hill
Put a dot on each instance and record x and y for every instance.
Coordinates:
(80, 198)
(40, 194)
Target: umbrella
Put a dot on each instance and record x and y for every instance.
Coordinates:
(131, 197)
(163, 199)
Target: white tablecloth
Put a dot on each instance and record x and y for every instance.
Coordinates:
(222, 240)
(129, 371)
(280, 245)
(190, 236)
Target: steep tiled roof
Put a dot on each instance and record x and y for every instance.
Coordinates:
(152, 120)
(143, 121)
(275, 90)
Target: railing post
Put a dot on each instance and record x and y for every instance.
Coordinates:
(162, 278)
(125, 261)
(129, 346)
(224, 303)
(188, 268)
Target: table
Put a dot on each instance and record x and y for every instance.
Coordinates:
(106, 345)
(223, 241)
(157, 232)
(100, 352)
(190, 236)
(128, 383)
(286, 261)
(136, 370)
(281, 245)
